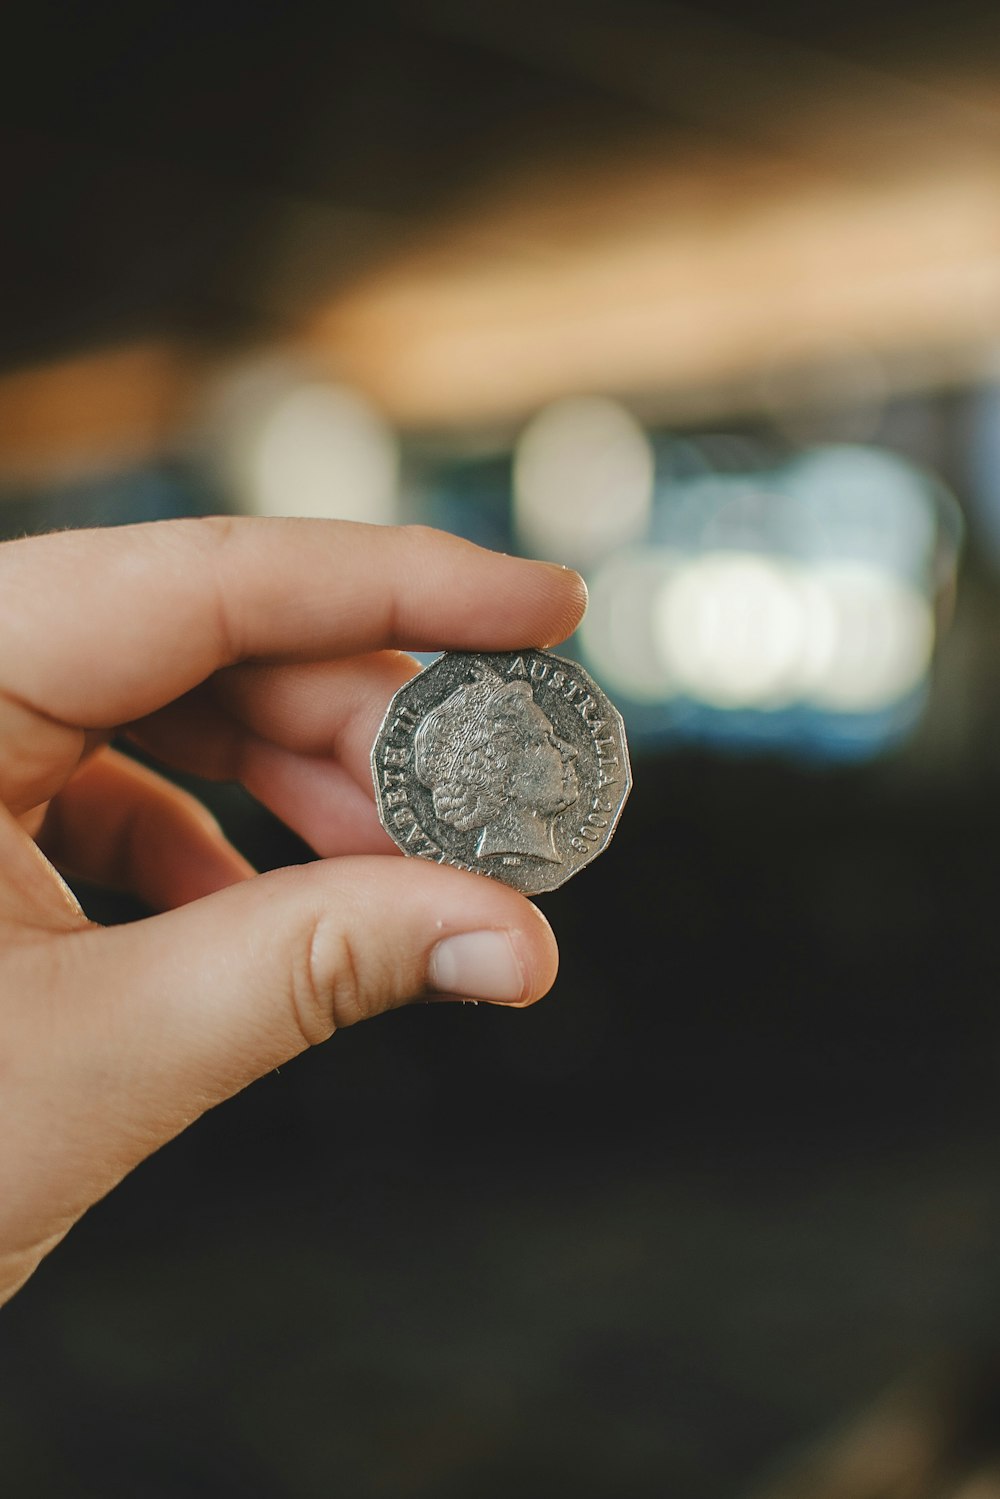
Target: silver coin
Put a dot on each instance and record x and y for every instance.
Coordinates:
(514, 765)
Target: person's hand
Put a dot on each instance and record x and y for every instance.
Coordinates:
(250, 650)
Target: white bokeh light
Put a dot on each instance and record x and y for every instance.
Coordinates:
(323, 452)
(744, 630)
(290, 443)
(811, 587)
(874, 644)
(731, 626)
(583, 481)
(869, 505)
(618, 631)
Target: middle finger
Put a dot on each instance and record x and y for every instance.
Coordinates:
(298, 737)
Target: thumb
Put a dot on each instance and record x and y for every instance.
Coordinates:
(115, 1039)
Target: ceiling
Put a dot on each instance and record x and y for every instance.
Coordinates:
(468, 209)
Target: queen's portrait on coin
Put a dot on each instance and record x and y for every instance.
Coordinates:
(492, 760)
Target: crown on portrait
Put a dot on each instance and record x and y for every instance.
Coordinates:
(447, 730)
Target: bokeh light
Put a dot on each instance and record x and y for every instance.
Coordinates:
(289, 442)
(618, 633)
(877, 646)
(867, 504)
(733, 626)
(583, 481)
(747, 631)
(793, 605)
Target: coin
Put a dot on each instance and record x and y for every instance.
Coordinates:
(511, 764)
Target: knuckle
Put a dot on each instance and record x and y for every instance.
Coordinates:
(421, 535)
(197, 536)
(215, 530)
(326, 987)
(220, 533)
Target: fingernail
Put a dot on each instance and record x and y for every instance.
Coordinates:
(479, 965)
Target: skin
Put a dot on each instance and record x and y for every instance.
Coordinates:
(259, 650)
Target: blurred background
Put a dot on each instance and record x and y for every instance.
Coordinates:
(703, 299)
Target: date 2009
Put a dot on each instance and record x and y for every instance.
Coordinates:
(594, 825)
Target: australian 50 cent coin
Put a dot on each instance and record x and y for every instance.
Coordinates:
(512, 764)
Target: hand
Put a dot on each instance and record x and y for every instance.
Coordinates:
(255, 650)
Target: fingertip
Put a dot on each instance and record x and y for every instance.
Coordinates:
(575, 598)
(543, 953)
(572, 580)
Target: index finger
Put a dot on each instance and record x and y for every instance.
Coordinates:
(100, 627)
